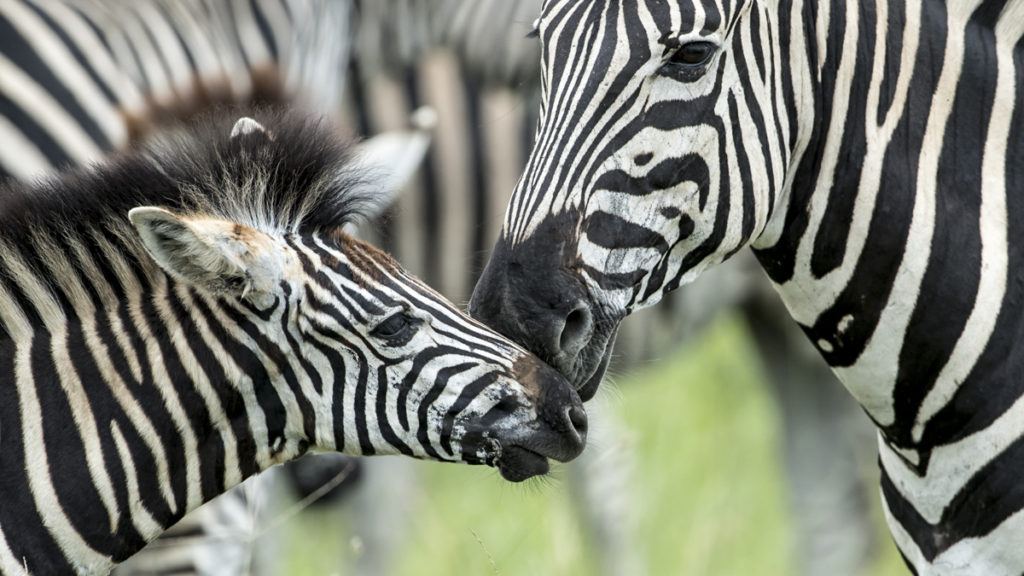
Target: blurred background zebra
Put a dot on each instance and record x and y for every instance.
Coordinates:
(80, 78)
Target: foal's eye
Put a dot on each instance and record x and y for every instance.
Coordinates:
(397, 329)
(693, 53)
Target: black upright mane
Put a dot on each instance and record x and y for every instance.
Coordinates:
(299, 178)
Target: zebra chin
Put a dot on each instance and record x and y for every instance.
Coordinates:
(592, 371)
(586, 367)
(522, 454)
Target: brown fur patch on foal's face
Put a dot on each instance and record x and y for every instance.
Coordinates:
(366, 257)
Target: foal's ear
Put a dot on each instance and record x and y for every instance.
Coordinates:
(246, 126)
(215, 255)
(391, 159)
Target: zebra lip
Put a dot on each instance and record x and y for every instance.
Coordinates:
(517, 463)
(588, 389)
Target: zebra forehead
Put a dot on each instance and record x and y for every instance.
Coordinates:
(664, 19)
(370, 259)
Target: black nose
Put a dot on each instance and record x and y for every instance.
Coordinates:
(543, 308)
(558, 407)
(576, 422)
(576, 329)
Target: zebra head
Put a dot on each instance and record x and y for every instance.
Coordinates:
(658, 154)
(346, 351)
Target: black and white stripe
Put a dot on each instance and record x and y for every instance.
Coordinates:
(869, 153)
(81, 78)
(150, 368)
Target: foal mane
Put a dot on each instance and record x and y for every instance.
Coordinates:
(297, 177)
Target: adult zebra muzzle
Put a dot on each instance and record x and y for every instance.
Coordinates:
(533, 294)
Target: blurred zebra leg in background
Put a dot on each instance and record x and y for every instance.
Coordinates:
(826, 444)
(601, 485)
(388, 494)
(823, 432)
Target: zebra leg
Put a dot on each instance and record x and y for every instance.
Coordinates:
(826, 440)
(602, 486)
(213, 540)
(382, 503)
(600, 480)
(320, 480)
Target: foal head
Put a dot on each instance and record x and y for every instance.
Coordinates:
(357, 355)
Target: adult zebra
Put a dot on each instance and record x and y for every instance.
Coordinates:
(871, 155)
(179, 319)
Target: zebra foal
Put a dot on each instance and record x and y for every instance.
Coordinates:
(182, 318)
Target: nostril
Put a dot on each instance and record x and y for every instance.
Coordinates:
(577, 419)
(507, 405)
(575, 331)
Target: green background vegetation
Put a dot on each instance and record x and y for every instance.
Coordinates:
(709, 489)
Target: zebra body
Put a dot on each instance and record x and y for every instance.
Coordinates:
(81, 78)
(230, 326)
(871, 155)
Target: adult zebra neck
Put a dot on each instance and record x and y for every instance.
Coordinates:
(898, 208)
(895, 253)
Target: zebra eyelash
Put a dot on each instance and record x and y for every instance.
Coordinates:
(397, 329)
(680, 66)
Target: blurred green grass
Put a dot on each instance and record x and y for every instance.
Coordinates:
(709, 493)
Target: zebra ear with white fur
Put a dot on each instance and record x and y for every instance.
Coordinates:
(392, 158)
(218, 256)
(246, 126)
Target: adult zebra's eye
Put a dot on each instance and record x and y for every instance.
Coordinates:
(397, 329)
(693, 53)
(689, 62)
